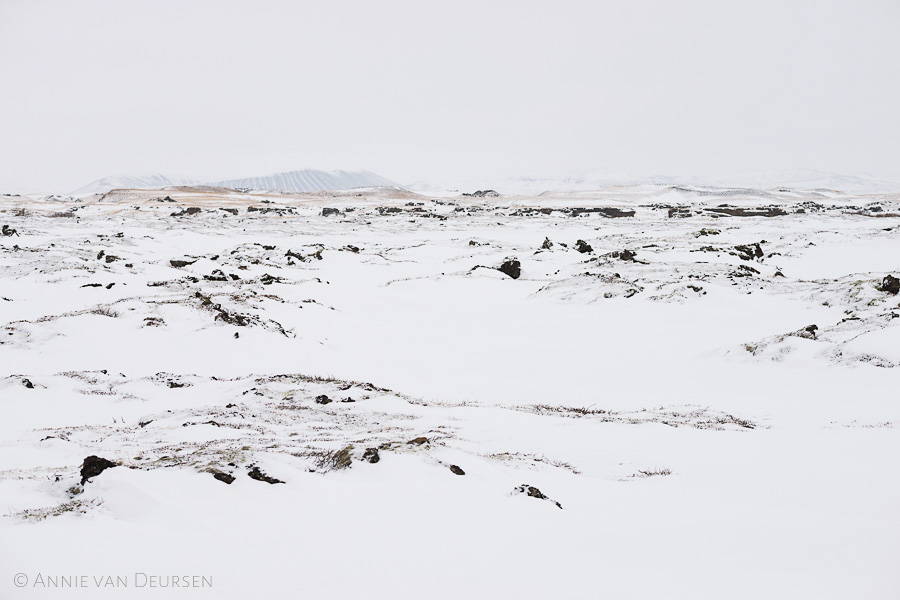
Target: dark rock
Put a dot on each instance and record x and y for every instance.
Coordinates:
(351, 248)
(583, 247)
(547, 244)
(371, 455)
(27, 383)
(270, 209)
(216, 275)
(327, 212)
(9, 231)
(323, 399)
(808, 332)
(224, 477)
(191, 210)
(534, 493)
(92, 285)
(177, 263)
(706, 231)
(747, 212)
(749, 252)
(606, 211)
(258, 475)
(109, 286)
(483, 194)
(679, 213)
(456, 470)
(93, 466)
(744, 271)
(222, 314)
(232, 211)
(626, 255)
(303, 258)
(511, 267)
(890, 284)
(615, 213)
(418, 441)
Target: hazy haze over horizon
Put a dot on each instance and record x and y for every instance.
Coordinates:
(415, 91)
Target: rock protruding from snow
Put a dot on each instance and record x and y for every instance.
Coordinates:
(222, 476)
(93, 466)
(749, 251)
(511, 267)
(258, 475)
(533, 492)
(890, 284)
(583, 247)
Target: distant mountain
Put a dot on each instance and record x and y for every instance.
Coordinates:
(305, 180)
(101, 186)
(309, 180)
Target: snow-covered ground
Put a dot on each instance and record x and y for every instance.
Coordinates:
(653, 371)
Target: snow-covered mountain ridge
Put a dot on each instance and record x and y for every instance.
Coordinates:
(156, 180)
(309, 180)
(303, 180)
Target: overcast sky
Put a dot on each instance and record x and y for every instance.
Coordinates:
(441, 90)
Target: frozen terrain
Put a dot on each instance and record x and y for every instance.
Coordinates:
(647, 392)
(588, 180)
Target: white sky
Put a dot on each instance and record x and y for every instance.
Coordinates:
(417, 89)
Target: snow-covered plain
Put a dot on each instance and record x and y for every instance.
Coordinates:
(659, 382)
